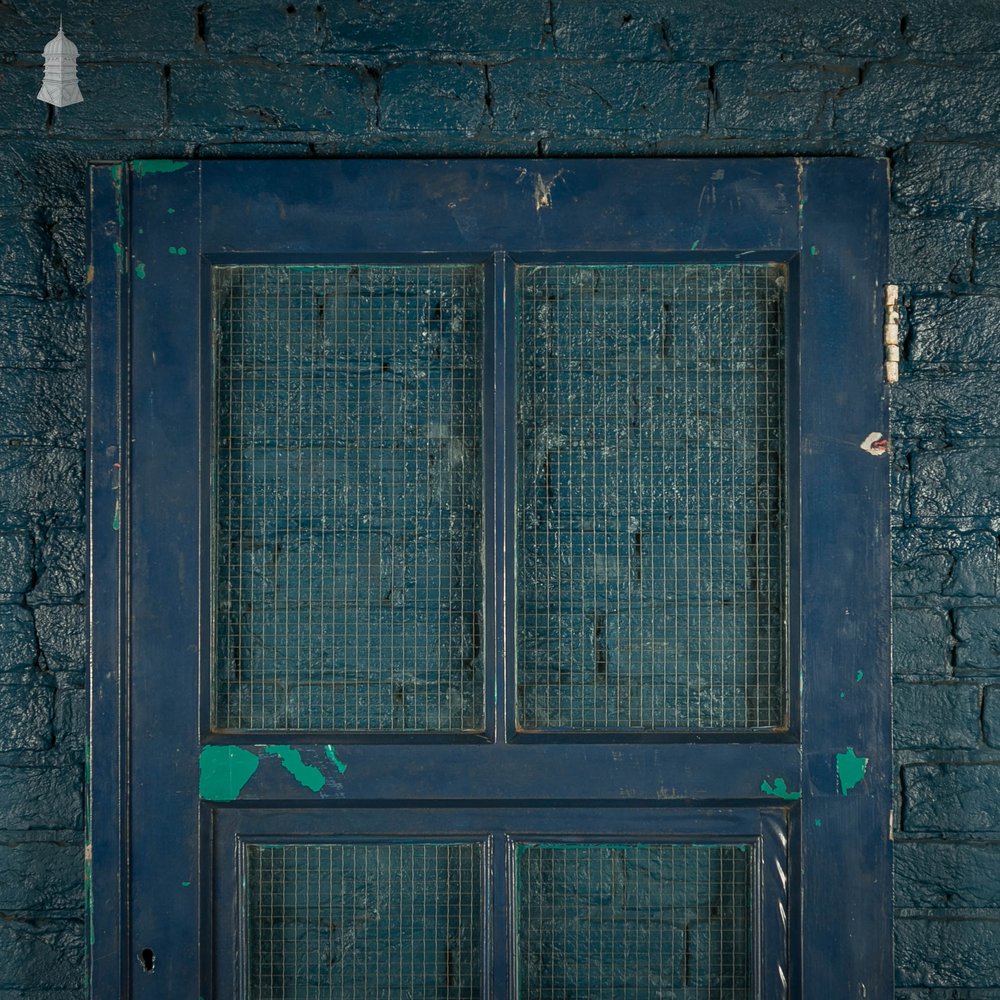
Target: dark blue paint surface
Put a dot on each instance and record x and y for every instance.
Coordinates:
(837, 564)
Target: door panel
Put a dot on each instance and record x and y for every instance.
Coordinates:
(504, 572)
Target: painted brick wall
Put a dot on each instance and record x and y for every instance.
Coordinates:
(917, 81)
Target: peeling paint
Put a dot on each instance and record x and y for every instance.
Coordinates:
(875, 444)
(140, 269)
(779, 790)
(143, 167)
(224, 772)
(90, 274)
(850, 769)
(543, 190)
(331, 752)
(305, 774)
(858, 676)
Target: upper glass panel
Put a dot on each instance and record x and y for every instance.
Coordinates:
(650, 516)
(347, 498)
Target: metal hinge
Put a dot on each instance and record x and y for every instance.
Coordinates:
(890, 334)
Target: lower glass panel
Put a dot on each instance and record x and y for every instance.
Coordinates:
(633, 920)
(364, 920)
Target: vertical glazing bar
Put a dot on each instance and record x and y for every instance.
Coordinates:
(498, 492)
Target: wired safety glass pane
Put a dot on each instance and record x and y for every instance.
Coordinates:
(634, 920)
(650, 514)
(347, 498)
(361, 921)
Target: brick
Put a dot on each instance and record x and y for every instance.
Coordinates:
(397, 27)
(42, 334)
(40, 798)
(991, 715)
(61, 576)
(17, 639)
(118, 99)
(965, 329)
(41, 954)
(929, 253)
(40, 483)
(449, 97)
(957, 180)
(978, 634)
(22, 250)
(900, 101)
(947, 952)
(957, 482)
(16, 565)
(27, 717)
(986, 262)
(62, 637)
(938, 561)
(761, 99)
(43, 407)
(706, 32)
(935, 715)
(70, 718)
(936, 403)
(212, 99)
(951, 798)
(929, 875)
(640, 100)
(41, 876)
(953, 28)
(616, 31)
(921, 643)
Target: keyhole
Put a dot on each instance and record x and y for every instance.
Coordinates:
(147, 959)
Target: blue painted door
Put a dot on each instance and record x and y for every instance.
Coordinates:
(490, 581)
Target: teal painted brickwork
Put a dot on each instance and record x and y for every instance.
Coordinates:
(916, 81)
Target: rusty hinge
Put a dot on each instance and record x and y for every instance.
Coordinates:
(890, 334)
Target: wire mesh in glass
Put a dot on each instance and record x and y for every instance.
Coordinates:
(364, 921)
(650, 516)
(347, 497)
(642, 921)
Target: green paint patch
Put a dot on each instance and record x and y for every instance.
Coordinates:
(186, 884)
(850, 769)
(170, 211)
(140, 269)
(694, 246)
(819, 822)
(305, 774)
(858, 676)
(179, 251)
(779, 790)
(118, 249)
(144, 167)
(331, 752)
(813, 251)
(224, 772)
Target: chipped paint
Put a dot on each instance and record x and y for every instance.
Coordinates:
(305, 774)
(170, 211)
(813, 251)
(543, 190)
(140, 269)
(224, 772)
(144, 167)
(90, 274)
(694, 246)
(117, 172)
(875, 444)
(858, 676)
(331, 752)
(179, 251)
(186, 885)
(779, 790)
(850, 770)
(819, 822)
